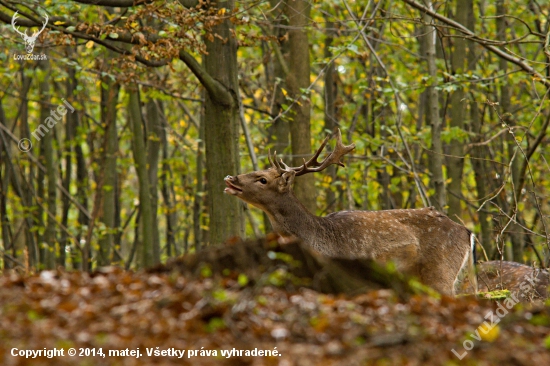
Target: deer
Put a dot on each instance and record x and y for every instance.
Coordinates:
(421, 242)
(29, 40)
(528, 283)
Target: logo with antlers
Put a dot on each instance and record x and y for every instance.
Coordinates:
(29, 40)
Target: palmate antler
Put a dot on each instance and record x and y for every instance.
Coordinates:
(312, 165)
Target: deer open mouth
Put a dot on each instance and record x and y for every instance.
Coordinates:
(231, 188)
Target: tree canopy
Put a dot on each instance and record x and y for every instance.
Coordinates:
(117, 129)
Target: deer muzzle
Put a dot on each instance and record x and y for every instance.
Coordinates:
(232, 187)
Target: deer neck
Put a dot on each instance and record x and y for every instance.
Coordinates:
(289, 217)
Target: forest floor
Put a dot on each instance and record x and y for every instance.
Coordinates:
(141, 318)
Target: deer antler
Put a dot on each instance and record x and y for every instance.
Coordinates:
(312, 165)
(15, 27)
(25, 35)
(35, 34)
(275, 164)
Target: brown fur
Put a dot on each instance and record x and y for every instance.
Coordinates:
(512, 276)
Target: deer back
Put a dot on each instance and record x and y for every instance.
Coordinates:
(528, 283)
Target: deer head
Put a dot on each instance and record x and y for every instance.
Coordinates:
(266, 186)
(29, 40)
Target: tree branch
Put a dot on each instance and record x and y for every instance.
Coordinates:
(215, 89)
(114, 3)
(123, 37)
(472, 36)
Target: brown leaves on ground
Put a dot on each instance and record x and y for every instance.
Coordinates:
(114, 309)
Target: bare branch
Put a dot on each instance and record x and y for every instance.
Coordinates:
(472, 36)
(114, 3)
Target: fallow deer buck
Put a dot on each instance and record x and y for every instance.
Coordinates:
(421, 242)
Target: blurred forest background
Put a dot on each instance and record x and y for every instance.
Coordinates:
(447, 102)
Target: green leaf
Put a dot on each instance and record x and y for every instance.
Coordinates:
(242, 280)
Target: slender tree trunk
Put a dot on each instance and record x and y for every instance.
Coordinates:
(167, 190)
(65, 202)
(478, 164)
(70, 125)
(109, 101)
(436, 157)
(27, 197)
(148, 254)
(82, 188)
(279, 131)
(154, 127)
(199, 188)
(298, 79)
(516, 231)
(39, 210)
(331, 92)
(4, 187)
(457, 111)
(48, 112)
(221, 131)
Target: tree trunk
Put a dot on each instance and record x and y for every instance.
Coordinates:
(279, 131)
(478, 164)
(221, 131)
(297, 80)
(199, 188)
(49, 240)
(26, 195)
(148, 254)
(4, 187)
(167, 190)
(517, 235)
(436, 156)
(109, 100)
(154, 127)
(82, 190)
(331, 92)
(458, 107)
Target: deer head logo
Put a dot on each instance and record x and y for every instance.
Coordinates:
(29, 40)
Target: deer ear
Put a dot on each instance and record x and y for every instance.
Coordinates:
(286, 180)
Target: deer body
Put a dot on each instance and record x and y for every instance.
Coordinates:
(525, 282)
(421, 242)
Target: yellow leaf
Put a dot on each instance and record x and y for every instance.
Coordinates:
(284, 91)
(89, 44)
(59, 22)
(489, 335)
(222, 11)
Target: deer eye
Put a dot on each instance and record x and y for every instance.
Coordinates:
(263, 181)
